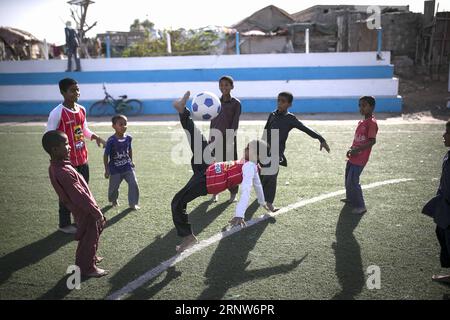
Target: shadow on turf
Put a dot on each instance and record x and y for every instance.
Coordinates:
(347, 251)
(230, 260)
(60, 290)
(161, 249)
(34, 252)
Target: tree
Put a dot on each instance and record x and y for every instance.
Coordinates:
(145, 25)
(79, 16)
(183, 42)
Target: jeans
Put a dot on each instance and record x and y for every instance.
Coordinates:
(352, 187)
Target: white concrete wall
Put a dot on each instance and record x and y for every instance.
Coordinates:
(334, 59)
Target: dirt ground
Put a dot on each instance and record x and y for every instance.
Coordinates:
(423, 97)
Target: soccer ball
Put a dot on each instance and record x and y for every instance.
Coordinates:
(205, 106)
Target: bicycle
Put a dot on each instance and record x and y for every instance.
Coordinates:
(111, 106)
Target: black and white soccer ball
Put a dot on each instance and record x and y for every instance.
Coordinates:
(205, 106)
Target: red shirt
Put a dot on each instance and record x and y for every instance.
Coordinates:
(223, 175)
(367, 129)
(74, 125)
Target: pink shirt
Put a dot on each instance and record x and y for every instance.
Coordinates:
(367, 129)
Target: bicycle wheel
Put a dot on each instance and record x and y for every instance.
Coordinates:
(101, 108)
(133, 107)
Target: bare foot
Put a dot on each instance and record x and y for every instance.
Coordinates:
(98, 259)
(187, 242)
(98, 273)
(271, 207)
(232, 197)
(440, 278)
(215, 198)
(180, 104)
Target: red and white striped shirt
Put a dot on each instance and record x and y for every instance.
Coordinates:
(74, 124)
(223, 175)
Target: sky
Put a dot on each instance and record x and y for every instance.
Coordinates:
(45, 19)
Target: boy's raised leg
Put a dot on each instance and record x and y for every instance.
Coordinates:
(193, 134)
(180, 104)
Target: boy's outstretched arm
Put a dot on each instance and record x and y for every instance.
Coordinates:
(99, 140)
(312, 133)
(91, 135)
(250, 177)
(324, 145)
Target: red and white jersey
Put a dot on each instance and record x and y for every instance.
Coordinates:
(74, 124)
(223, 175)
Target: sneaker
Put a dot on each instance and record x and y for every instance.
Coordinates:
(135, 207)
(215, 198)
(359, 210)
(70, 229)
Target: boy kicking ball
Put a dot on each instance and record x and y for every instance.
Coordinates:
(214, 178)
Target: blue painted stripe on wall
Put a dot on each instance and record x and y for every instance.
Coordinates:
(196, 75)
(304, 105)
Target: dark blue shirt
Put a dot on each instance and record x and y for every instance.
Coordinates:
(285, 122)
(118, 151)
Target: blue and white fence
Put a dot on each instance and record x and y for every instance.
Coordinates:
(320, 82)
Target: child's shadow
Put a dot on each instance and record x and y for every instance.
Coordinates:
(229, 262)
(161, 249)
(34, 252)
(347, 251)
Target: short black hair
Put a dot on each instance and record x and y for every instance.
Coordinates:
(51, 139)
(117, 117)
(369, 99)
(227, 78)
(65, 83)
(287, 95)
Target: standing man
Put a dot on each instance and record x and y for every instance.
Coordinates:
(72, 44)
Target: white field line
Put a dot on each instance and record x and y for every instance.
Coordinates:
(133, 285)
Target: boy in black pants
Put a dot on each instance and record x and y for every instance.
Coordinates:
(284, 122)
(214, 178)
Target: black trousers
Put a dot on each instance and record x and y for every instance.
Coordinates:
(443, 236)
(64, 213)
(269, 184)
(196, 186)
